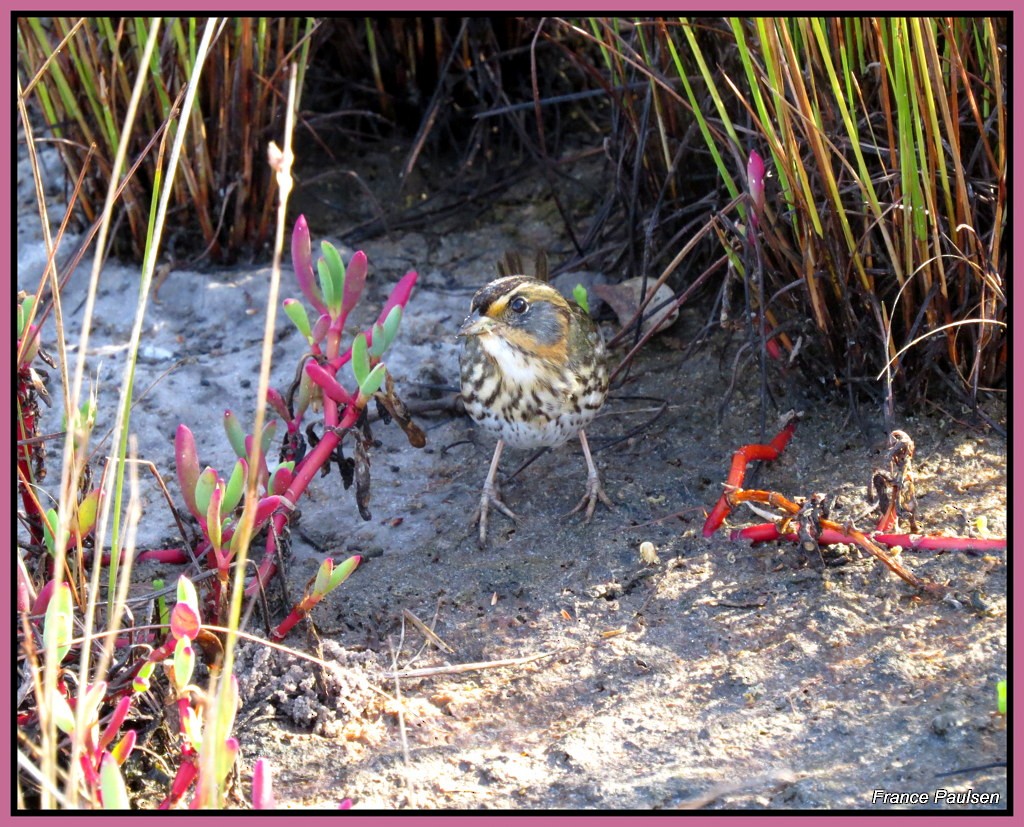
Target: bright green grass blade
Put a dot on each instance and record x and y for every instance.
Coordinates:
(790, 140)
(702, 123)
(863, 177)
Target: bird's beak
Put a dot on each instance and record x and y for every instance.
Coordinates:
(474, 325)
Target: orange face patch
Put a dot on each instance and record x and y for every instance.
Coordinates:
(526, 342)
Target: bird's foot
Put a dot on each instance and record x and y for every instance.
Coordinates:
(491, 495)
(595, 492)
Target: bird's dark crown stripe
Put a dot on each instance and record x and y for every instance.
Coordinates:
(486, 296)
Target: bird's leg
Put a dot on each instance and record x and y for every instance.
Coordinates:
(491, 495)
(594, 490)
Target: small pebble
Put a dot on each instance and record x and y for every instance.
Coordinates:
(649, 554)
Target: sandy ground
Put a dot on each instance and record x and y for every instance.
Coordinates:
(721, 675)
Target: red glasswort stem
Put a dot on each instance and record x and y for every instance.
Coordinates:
(915, 542)
(762, 533)
(186, 774)
(769, 532)
(90, 763)
(26, 428)
(738, 470)
(165, 555)
(116, 719)
(312, 463)
(294, 617)
(160, 555)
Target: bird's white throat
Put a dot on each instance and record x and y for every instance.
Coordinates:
(513, 364)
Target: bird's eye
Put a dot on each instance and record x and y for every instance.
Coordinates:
(519, 305)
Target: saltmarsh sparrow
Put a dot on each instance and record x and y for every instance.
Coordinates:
(534, 372)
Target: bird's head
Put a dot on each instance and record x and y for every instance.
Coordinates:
(529, 315)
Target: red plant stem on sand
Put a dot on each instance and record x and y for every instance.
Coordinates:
(769, 532)
(918, 542)
(738, 470)
(849, 534)
(300, 611)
